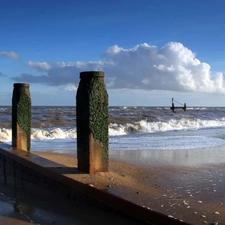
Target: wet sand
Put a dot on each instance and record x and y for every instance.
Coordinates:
(185, 184)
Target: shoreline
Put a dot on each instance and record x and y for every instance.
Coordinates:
(193, 194)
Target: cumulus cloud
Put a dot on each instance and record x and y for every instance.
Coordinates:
(174, 67)
(41, 66)
(11, 55)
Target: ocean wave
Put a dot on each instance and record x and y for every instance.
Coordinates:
(196, 108)
(115, 129)
(56, 133)
(5, 135)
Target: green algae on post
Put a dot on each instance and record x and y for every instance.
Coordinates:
(21, 116)
(92, 122)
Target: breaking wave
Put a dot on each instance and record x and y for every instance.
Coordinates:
(115, 129)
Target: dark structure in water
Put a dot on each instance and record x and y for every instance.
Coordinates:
(179, 107)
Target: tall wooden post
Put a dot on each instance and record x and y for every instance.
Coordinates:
(92, 123)
(21, 116)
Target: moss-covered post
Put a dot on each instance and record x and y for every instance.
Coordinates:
(92, 123)
(21, 116)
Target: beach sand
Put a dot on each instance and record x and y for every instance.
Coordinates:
(185, 184)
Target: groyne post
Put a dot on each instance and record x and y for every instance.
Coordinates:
(92, 122)
(21, 116)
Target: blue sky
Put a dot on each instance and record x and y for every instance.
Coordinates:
(150, 50)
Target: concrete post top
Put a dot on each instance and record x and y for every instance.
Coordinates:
(17, 85)
(91, 74)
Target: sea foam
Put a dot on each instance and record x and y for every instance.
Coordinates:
(115, 129)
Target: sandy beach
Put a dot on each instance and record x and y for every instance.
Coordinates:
(188, 186)
(184, 184)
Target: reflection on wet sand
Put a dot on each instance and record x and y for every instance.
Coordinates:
(191, 157)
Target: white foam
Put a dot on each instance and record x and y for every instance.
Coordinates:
(56, 133)
(142, 126)
(147, 142)
(181, 124)
(115, 129)
(5, 135)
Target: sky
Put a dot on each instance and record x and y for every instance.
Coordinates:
(150, 50)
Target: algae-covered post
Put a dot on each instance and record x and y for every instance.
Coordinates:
(92, 123)
(21, 116)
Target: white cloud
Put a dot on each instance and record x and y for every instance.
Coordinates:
(40, 66)
(70, 88)
(11, 55)
(173, 67)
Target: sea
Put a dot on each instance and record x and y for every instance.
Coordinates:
(130, 128)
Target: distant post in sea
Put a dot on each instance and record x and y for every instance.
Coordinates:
(92, 122)
(21, 116)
